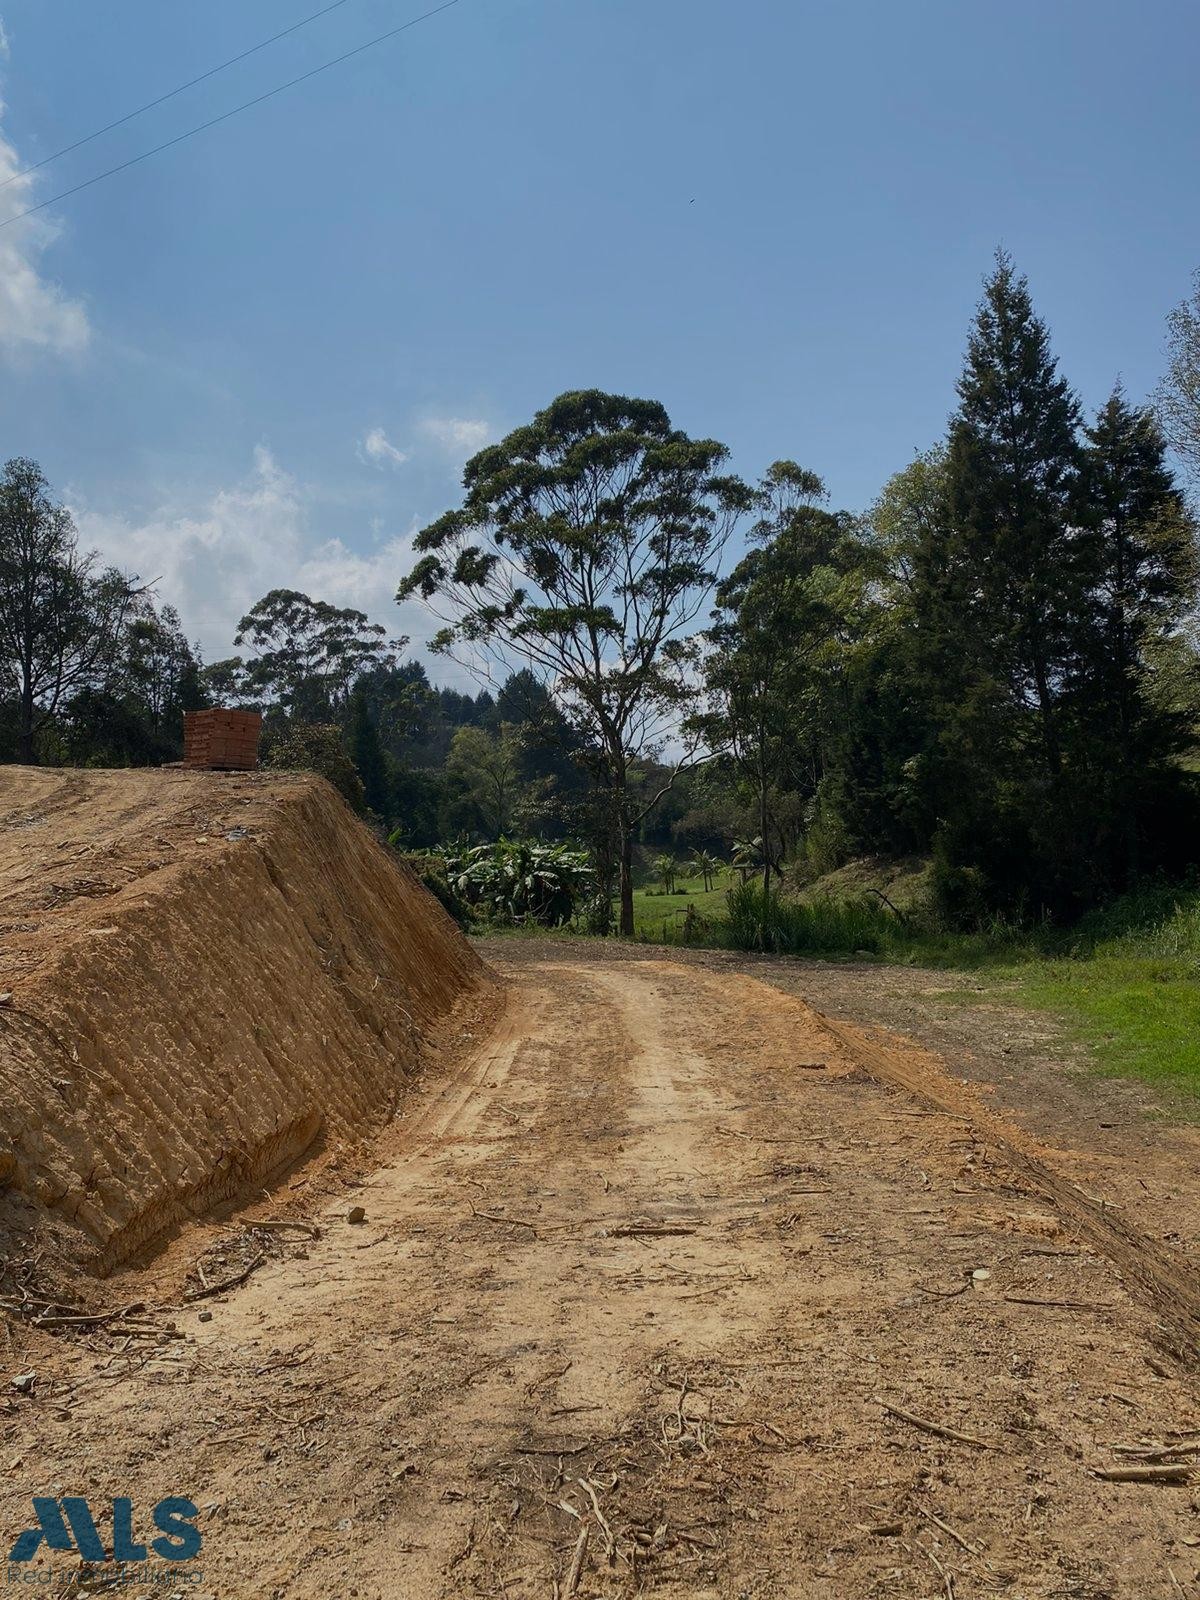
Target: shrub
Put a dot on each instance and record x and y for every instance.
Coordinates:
(317, 747)
(430, 867)
(791, 927)
(513, 881)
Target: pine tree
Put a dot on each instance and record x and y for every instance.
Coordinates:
(1142, 559)
(1013, 473)
(1003, 605)
(367, 755)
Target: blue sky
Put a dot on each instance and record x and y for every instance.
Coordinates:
(261, 358)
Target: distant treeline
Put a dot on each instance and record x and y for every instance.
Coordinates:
(995, 666)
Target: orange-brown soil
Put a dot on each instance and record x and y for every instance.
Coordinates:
(206, 977)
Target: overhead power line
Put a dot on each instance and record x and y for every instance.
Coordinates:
(171, 93)
(246, 105)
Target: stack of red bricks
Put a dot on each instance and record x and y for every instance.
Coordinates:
(221, 739)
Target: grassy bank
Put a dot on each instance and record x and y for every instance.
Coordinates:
(1129, 986)
(1126, 981)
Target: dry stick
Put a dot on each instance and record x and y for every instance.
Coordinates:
(227, 1283)
(769, 1427)
(610, 1544)
(933, 1427)
(43, 1321)
(1156, 1452)
(1174, 1474)
(1066, 1305)
(645, 1231)
(553, 1450)
(274, 1222)
(575, 1571)
(947, 1577)
(494, 1216)
(949, 1531)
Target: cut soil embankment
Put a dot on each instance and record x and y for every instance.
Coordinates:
(205, 975)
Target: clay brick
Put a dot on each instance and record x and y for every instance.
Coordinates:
(218, 738)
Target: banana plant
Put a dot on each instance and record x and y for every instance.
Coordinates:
(666, 867)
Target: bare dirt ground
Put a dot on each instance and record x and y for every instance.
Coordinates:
(671, 1287)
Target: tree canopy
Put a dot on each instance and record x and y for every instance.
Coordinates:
(586, 545)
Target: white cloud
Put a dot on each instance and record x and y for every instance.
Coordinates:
(214, 560)
(35, 312)
(455, 438)
(458, 436)
(379, 451)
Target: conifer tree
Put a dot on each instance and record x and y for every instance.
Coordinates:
(1013, 474)
(1003, 606)
(1142, 559)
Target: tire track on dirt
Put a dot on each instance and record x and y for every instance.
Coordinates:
(1166, 1282)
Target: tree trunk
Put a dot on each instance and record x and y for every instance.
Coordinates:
(25, 751)
(626, 923)
(763, 822)
(1046, 708)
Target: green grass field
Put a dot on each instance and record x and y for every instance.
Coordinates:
(658, 917)
(1139, 1016)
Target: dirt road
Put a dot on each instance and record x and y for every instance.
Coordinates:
(659, 1291)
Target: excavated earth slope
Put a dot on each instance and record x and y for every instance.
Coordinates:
(203, 976)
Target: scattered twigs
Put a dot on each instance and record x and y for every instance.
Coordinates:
(496, 1216)
(227, 1283)
(937, 1428)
